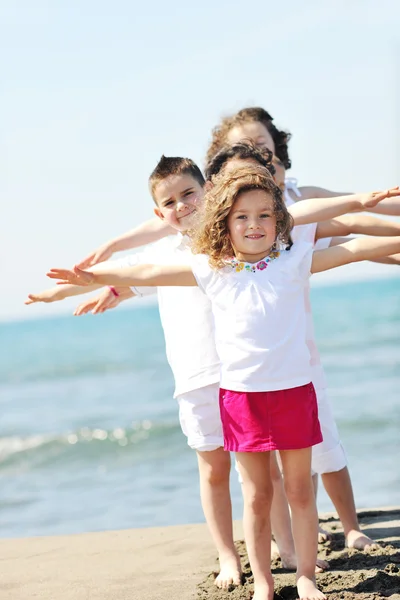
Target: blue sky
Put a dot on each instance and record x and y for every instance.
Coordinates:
(94, 92)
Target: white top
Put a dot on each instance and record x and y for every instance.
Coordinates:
(260, 322)
(307, 233)
(186, 319)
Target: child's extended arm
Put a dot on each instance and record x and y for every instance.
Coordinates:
(322, 209)
(136, 276)
(104, 301)
(387, 207)
(356, 223)
(353, 251)
(60, 292)
(150, 231)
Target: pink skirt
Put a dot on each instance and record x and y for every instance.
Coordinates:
(264, 421)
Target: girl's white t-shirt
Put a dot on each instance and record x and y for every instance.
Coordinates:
(260, 321)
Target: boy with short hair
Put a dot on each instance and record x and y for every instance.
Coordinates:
(176, 185)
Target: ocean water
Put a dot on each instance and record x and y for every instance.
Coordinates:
(89, 434)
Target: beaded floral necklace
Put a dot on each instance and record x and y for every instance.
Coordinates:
(253, 267)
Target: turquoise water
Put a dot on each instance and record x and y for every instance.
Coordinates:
(89, 436)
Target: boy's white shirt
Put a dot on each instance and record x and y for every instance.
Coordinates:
(186, 314)
(186, 318)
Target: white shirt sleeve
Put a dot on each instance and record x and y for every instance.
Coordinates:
(203, 273)
(303, 253)
(136, 259)
(323, 243)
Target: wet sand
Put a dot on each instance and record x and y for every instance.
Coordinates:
(178, 563)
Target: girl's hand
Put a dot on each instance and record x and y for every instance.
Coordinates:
(373, 198)
(99, 304)
(76, 277)
(46, 296)
(100, 255)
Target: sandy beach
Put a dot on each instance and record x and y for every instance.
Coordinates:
(179, 563)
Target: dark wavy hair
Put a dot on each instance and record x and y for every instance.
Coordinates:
(244, 150)
(253, 114)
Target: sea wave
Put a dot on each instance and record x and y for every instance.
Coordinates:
(84, 444)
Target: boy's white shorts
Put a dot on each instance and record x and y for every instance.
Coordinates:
(328, 456)
(200, 418)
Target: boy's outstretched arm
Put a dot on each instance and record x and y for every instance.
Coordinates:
(322, 209)
(366, 248)
(357, 223)
(149, 231)
(135, 276)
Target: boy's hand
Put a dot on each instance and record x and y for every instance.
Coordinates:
(100, 255)
(76, 277)
(373, 198)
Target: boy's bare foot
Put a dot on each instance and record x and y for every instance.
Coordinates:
(289, 562)
(308, 590)
(323, 535)
(360, 541)
(264, 590)
(230, 572)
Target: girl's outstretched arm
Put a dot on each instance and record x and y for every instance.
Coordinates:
(138, 275)
(387, 207)
(367, 248)
(357, 223)
(149, 231)
(322, 209)
(60, 292)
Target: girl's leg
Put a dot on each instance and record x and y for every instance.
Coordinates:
(280, 517)
(300, 494)
(214, 470)
(323, 535)
(254, 468)
(281, 522)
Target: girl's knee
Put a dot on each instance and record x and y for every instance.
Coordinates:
(300, 493)
(258, 500)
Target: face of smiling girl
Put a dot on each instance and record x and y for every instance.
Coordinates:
(252, 225)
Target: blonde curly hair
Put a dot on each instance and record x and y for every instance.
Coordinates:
(211, 235)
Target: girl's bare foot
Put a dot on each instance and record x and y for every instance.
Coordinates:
(323, 535)
(356, 539)
(308, 590)
(289, 562)
(230, 571)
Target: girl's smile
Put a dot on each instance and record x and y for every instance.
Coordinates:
(252, 225)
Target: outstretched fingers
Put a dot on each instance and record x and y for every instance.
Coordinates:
(31, 299)
(75, 277)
